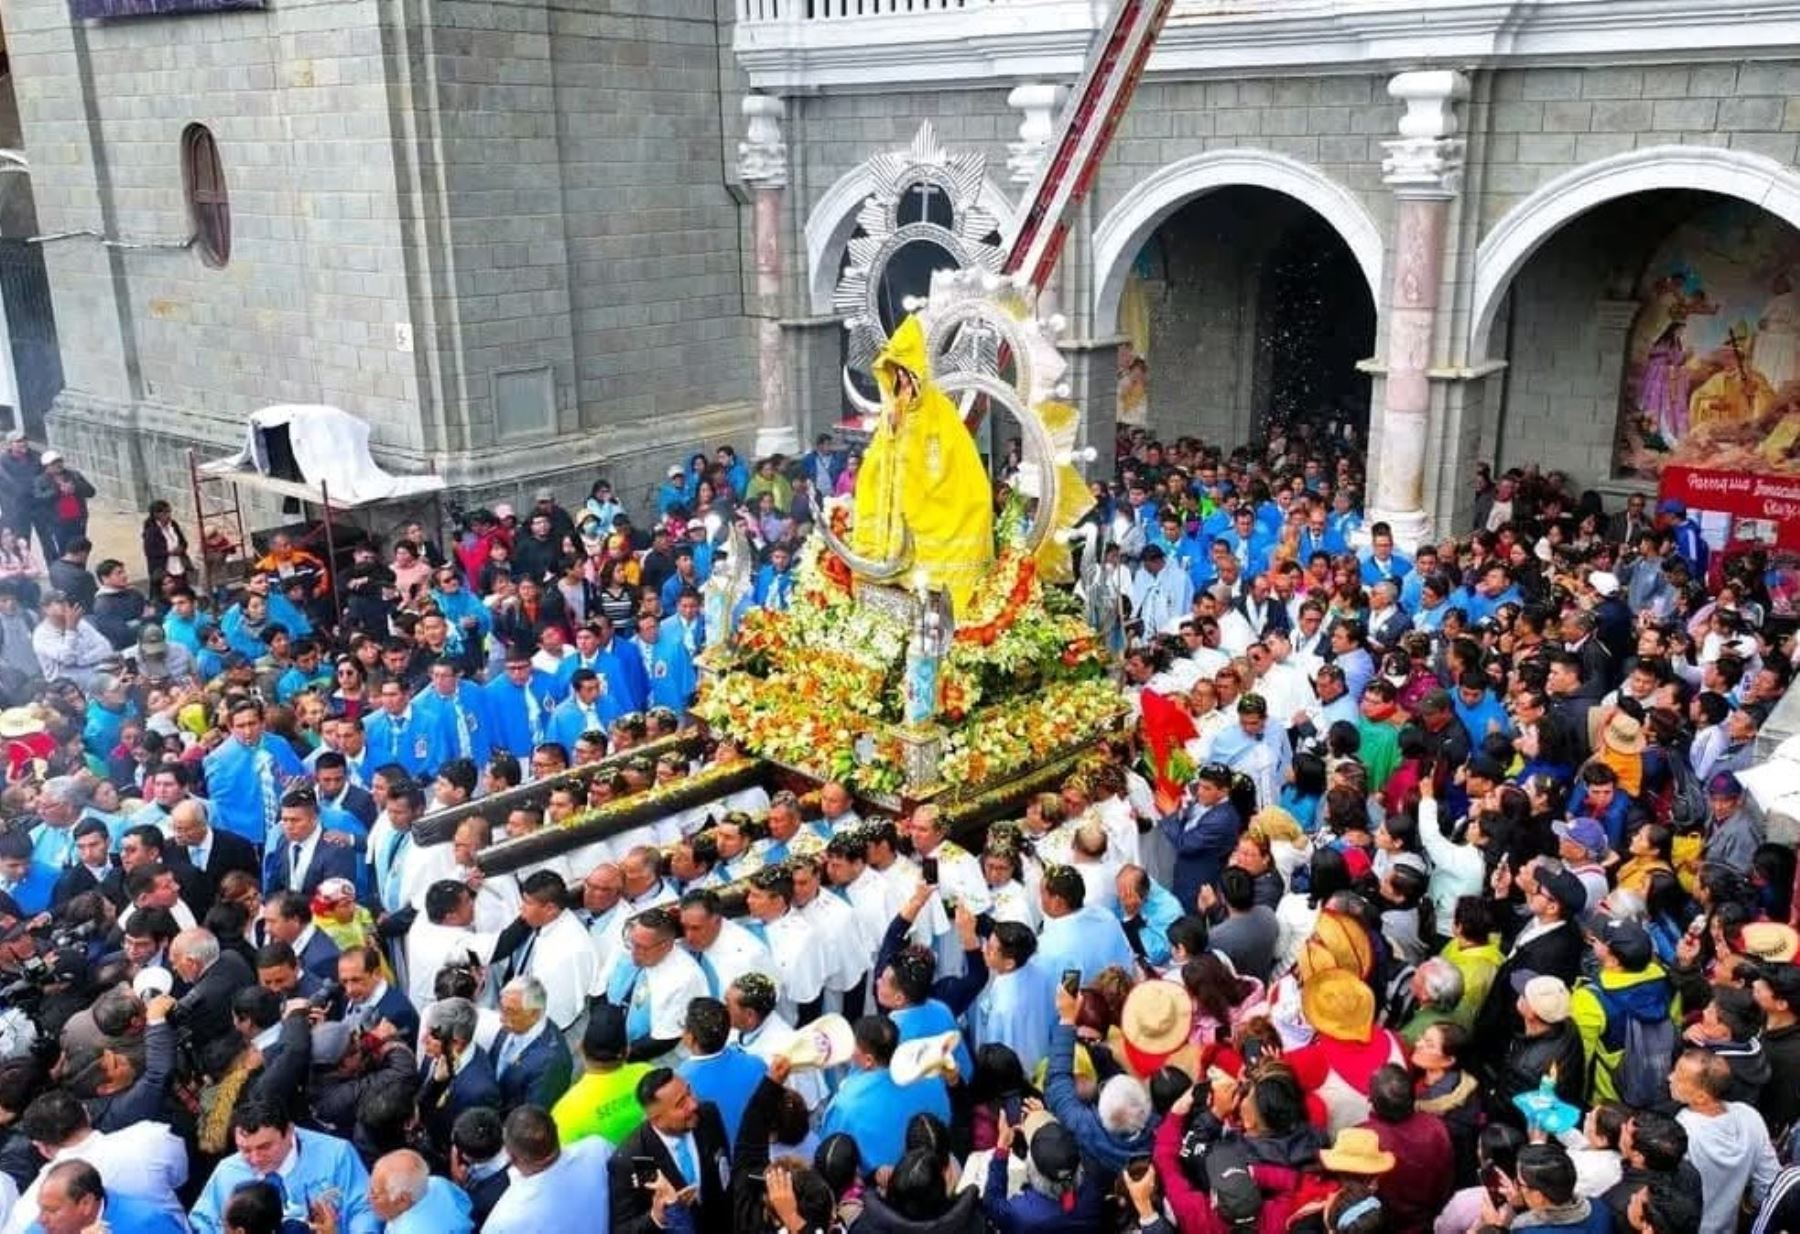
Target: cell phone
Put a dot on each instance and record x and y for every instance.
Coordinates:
(928, 867)
(1071, 981)
(644, 1171)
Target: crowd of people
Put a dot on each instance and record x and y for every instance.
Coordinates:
(1421, 893)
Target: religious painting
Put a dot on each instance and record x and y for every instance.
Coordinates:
(1712, 365)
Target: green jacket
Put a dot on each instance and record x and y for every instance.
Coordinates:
(1645, 995)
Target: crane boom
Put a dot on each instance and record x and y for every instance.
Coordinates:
(1083, 134)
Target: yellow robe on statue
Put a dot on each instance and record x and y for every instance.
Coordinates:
(922, 472)
(1730, 397)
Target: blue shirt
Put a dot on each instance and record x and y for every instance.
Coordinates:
(1393, 569)
(670, 668)
(456, 724)
(873, 1111)
(320, 1163)
(727, 1079)
(624, 686)
(32, 893)
(53, 846)
(1015, 1010)
(931, 1018)
(245, 784)
(1090, 939)
(131, 1214)
(187, 631)
(1160, 911)
(444, 1209)
(510, 717)
(403, 739)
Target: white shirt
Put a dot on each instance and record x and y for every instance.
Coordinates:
(960, 880)
(735, 952)
(144, 1160)
(670, 985)
(562, 957)
(184, 916)
(1235, 634)
(569, 1197)
(298, 864)
(800, 962)
(834, 923)
(872, 897)
(429, 946)
(768, 1040)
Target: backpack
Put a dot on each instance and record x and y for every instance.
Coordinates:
(1687, 800)
(1647, 1046)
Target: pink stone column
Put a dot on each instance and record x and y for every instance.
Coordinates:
(762, 162)
(1424, 168)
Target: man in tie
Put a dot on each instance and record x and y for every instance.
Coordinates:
(304, 858)
(450, 711)
(722, 948)
(686, 1139)
(519, 703)
(212, 852)
(580, 712)
(369, 999)
(395, 735)
(548, 941)
(338, 789)
(58, 807)
(91, 866)
(287, 918)
(455, 1074)
(304, 1167)
(390, 839)
(244, 776)
(530, 1059)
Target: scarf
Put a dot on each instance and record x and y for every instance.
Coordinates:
(218, 1103)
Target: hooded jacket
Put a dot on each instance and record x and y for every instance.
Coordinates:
(1780, 1100)
(1731, 1150)
(1749, 1068)
(1456, 1098)
(1600, 1016)
(964, 1216)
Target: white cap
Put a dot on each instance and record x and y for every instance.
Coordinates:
(51, 456)
(1604, 583)
(152, 981)
(675, 470)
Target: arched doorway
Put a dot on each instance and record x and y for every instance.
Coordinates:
(1246, 312)
(1659, 328)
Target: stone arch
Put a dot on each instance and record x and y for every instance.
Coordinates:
(1503, 252)
(833, 220)
(1151, 201)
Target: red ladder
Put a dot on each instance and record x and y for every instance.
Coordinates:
(1083, 135)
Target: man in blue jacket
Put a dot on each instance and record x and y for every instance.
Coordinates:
(1116, 1130)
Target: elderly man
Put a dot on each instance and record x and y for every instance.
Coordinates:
(405, 1195)
(548, 941)
(58, 807)
(1121, 1126)
(530, 1059)
(68, 646)
(959, 880)
(455, 1073)
(369, 999)
(72, 1200)
(1728, 1142)
(1435, 994)
(211, 976)
(212, 852)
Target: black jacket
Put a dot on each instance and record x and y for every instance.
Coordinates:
(206, 1006)
(964, 1216)
(73, 581)
(1780, 1101)
(1556, 953)
(1529, 1059)
(156, 548)
(631, 1204)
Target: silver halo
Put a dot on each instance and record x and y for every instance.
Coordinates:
(1035, 444)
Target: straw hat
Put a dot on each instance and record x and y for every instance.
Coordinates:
(826, 1042)
(1624, 735)
(1338, 1004)
(1357, 1150)
(20, 722)
(1345, 941)
(924, 1056)
(1771, 941)
(1156, 1021)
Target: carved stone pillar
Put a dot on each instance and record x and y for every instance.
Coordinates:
(1424, 168)
(762, 162)
(1039, 105)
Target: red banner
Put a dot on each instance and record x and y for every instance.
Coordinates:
(1764, 506)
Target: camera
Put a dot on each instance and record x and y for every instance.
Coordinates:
(328, 994)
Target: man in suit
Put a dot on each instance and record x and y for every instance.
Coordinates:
(91, 867)
(455, 1074)
(211, 851)
(278, 969)
(304, 858)
(331, 776)
(685, 1137)
(369, 999)
(478, 1163)
(287, 918)
(143, 845)
(209, 978)
(531, 1060)
(1549, 943)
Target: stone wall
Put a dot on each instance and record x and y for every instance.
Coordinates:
(506, 238)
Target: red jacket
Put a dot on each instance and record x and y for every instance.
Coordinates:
(1424, 1174)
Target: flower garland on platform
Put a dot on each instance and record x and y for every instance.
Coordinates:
(1005, 739)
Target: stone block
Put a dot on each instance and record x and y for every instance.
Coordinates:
(1519, 117)
(1622, 116)
(1713, 80)
(1591, 146)
(1546, 84)
(1769, 77)
(1751, 114)
(1546, 147)
(1568, 117)
(1672, 115)
(1779, 146)
(1612, 83)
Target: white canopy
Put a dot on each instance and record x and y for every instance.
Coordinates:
(330, 447)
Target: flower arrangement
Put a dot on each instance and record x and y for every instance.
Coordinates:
(1003, 740)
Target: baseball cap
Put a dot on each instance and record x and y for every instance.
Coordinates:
(1671, 505)
(1588, 834)
(503, 510)
(1628, 942)
(675, 471)
(1547, 997)
(17, 434)
(543, 494)
(1725, 784)
(50, 456)
(153, 637)
(1566, 889)
(1604, 582)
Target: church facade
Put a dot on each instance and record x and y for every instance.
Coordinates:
(534, 244)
